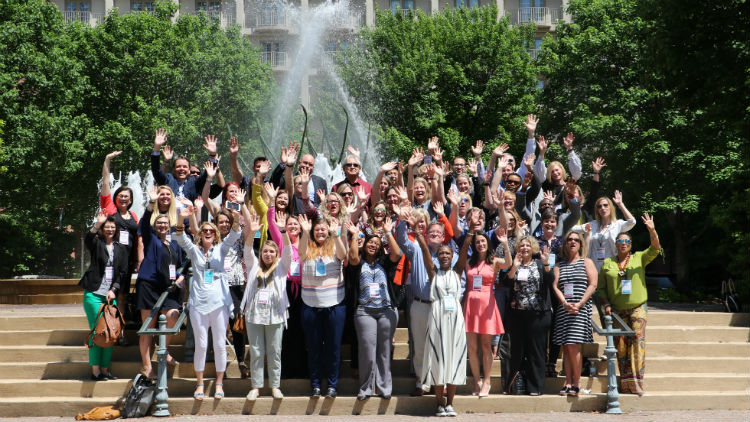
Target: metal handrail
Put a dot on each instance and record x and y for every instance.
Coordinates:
(613, 405)
(162, 408)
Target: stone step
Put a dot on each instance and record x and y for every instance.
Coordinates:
(697, 319)
(235, 387)
(673, 334)
(42, 299)
(289, 405)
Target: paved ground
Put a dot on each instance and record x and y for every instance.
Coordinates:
(670, 416)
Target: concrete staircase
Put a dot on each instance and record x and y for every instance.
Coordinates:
(695, 360)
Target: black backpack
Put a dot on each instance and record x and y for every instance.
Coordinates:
(139, 399)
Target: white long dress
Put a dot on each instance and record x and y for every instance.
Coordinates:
(445, 345)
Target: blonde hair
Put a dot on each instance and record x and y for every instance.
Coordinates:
(427, 187)
(467, 196)
(562, 168)
(171, 212)
(422, 214)
(583, 250)
(199, 236)
(326, 250)
(262, 278)
(532, 242)
(343, 214)
(516, 230)
(612, 212)
(468, 179)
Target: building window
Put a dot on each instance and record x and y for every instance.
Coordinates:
(142, 6)
(274, 53)
(471, 3)
(532, 11)
(77, 11)
(404, 6)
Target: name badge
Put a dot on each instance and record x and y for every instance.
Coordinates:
(294, 268)
(600, 254)
(627, 287)
(477, 282)
(227, 264)
(109, 272)
(522, 274)
(172, 272)
(208, 276)
(124, 237)
(169, 238)
(263, 296)
(450, 303)
(374, 290)
(568, 290)
(320, 268)
(551, 260)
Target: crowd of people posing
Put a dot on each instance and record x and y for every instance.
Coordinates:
(502, 259)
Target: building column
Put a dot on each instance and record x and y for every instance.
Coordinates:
(500, 9)
(304, 4)
(177, 14)
(370, 12)
(239, 12)
(566, 16)
(108, 6)
(434, 6)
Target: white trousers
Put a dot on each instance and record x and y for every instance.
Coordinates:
(265, 341)
(218, 321)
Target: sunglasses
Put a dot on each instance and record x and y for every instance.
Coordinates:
(625, 241)
(332, 201)
(379, 210)
(515, 182)
(346, 194)
(299, 183)
(195, 173)
(602, 205)
(466, 200)
(208, 231)
(361, 235)
(351, 165)
(574, 239)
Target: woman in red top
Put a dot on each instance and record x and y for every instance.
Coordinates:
(118, 205)
(480, 310)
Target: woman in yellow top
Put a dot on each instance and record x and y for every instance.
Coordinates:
(622, 288)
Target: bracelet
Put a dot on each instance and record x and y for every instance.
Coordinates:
(152, 201)
(282, 231)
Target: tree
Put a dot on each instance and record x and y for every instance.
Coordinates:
(75, 93)
(670, 155)
(460, 74)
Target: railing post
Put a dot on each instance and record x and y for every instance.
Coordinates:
(162, 408)
(613, 405)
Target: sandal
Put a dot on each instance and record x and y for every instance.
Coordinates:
(218, 395)
(565, 390)
(573, 391)
(199, 396)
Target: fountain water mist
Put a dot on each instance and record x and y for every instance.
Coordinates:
(314, 25)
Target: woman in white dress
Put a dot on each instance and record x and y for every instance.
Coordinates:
(445, 347)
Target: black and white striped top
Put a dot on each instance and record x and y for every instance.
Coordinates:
(570, 328)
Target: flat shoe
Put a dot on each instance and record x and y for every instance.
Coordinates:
(315, 392)
(99, 377)
(573, 391)
(565, 390)
(252, 395)
(362, 397)
(276, 393)
(331, 393)
(109, 376)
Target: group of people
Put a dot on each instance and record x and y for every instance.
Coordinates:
(483, 260)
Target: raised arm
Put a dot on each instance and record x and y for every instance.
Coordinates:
(417, 156)
(540, 168)
(463, 256)
(353, 243)
(376, 184)
(395, 253)
(106, 190)
(617, 199)
(497, 263)
(648, 221)
(340, 247)
(305, 226)
(160, 138)
(234, 149)
(530, 123)
(574, 163)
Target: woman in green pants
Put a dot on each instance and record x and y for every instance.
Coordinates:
(101, 283)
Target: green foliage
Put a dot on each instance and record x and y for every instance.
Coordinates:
(72, 93)
(626, 88)
(460, 74)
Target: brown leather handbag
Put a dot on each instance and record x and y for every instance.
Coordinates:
(108, 327)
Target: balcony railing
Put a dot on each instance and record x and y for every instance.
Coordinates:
(348, 19)
(224, 17)
(534, 52)
(267, 18)
(84, 17)
(544, 16)
(276, 59)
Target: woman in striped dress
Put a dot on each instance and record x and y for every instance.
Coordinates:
(575, 282)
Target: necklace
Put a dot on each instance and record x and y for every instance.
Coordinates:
(622, 267)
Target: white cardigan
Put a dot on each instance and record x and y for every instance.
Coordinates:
(604, 239)
(280, 301)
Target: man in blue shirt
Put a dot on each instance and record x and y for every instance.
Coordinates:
(180, 182)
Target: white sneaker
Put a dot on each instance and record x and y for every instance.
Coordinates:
(276, 393)
(253, 394)
(440, 411)
(449, 411)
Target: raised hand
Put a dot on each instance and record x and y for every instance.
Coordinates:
(502, 235)
(409, 217)
(403, 195)
(281, 217)
(617, 199)
(429, 171)
(417, 155)
(388, 166)
(542, 144)
(544, 254)
(549, 195)
(568, 141)
(264, 168)
(333, 227)
(649, 222)
(362, 196)
(304, 223)
(168, 153)
(253, 223)
(187, 211)
(240, 196)
(521, 224)
(438, 155)
(478, 149)
(527, 180)
(473, 167)
(487, 178)
(587, 227)
(353, 151)
(304, 176)
(452, 197)
(291, 155)
(474, 220)
(160, 138)
(271, 191)
(497, 200)
(210, 145)
(598, 164)
(500, 149)
(441, 170)
(210, 169)
(101, 217)
(114, 154)
(153, 194)
(353, 229)
(321, 194)
(529, 162)
(234, 145)
(433, 144)
(437, 206)
(198, 204)
(351, 208)
(530, 123)
(388, 225)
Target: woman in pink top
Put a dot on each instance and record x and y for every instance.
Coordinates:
(480, 310)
